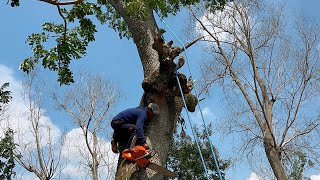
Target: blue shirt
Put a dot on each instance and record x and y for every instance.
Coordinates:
(137, 116)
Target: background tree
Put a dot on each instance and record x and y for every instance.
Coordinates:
(4, 95)
(89, 103)
(7, 145)
(133, 18)
(39, 150)
(269, 71)
(185, 161)
(299, 163)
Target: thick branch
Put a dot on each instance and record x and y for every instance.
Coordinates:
(62, 3)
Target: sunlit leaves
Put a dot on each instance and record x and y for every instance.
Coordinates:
(59, 44)
(116, 22)
(136, 8)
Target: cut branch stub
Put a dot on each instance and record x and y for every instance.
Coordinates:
(163, 80)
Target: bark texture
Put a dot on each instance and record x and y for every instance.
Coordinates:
(160, 86)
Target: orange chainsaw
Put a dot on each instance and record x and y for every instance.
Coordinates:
(140, 155)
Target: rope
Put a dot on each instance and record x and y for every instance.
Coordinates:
(193, 133)
(182, 95)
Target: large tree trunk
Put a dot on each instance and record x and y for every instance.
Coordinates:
(270, 145)
(161, 129)
(274, 158)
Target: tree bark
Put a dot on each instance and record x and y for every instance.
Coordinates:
(161, 129)
(273, 156)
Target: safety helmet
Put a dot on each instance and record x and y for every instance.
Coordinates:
(154, 108)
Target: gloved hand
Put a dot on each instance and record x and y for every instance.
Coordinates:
(146, 146)
(114, 146)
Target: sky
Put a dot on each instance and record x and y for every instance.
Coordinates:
(117, 59)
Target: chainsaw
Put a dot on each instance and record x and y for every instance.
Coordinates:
(140, 155)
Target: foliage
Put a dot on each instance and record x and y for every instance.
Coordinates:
(14, 3)
(71, 43)
(6, 144)
(4, 95)
(184, 158)
(297, 164)
(165, 8)
(7, 147)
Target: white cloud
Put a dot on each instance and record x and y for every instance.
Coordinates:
(7, 75)
(74, 148)
(207, 113)
(17, 115)
(315, 177)
(222, 21)
(76, 151)
(254, 176)
(217, 22)
(210, 21)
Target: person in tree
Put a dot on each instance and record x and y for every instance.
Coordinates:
(129, 122)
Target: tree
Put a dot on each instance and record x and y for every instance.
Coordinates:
(4, 95)
(269, 71)
(89, 103)
(298, 165)
(133, 18)
(7, 145)
(185, 161)
(39, 150)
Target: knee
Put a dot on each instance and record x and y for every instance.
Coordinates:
(131, 129)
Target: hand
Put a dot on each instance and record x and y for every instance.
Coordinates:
(146, 146)
(114, 147)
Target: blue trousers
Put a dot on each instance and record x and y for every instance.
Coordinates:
(123, 133)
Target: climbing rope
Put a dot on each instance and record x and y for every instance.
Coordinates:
(184, 101)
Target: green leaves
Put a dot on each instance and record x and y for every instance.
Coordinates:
(57, 45)
(4, 95)
(215, 5)
(7, 147)
(184, 158)
(6, 144)
(14, 3)
(297, 163)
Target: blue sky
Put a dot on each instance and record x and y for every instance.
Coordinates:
(116, 59)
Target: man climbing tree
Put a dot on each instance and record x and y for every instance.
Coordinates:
(133, 19)
(131, 122)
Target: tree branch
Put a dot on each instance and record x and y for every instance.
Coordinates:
(62, 3)
(306, 131)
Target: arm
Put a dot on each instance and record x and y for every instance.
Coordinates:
(139, 128)
(114, 146)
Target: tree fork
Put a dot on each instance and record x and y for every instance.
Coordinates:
(163, 80)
